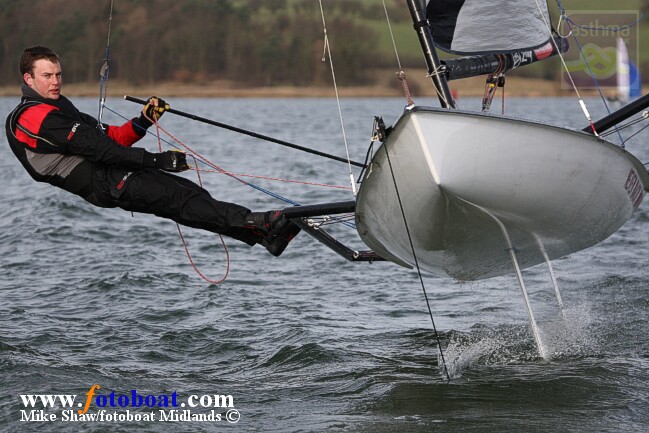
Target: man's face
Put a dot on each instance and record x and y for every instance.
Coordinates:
(46, 80)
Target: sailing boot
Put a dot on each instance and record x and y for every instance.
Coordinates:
(275, 229)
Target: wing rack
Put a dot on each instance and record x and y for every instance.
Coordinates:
(297, 214)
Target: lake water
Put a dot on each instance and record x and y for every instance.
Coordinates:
(305, 342)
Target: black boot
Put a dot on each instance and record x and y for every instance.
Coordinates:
(276, 230)
(264, 222)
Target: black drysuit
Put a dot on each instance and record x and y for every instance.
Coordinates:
(64, 147)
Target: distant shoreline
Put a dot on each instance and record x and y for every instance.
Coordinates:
(419, 84)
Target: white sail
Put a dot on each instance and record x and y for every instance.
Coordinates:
(623, 72)
(496, 26)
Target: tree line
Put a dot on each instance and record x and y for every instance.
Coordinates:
(253, 42)
(268, 42)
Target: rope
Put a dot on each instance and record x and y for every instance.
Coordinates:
(216, 169)
(493, 81)
(191, 260)
(250, 133)
(103, 92)
(277, 179)
(235, 176)
(401, 76)
(180, 233)
(198, 157)
(327, 52)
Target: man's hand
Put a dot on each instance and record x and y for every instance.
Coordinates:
(154, 108)
(172, 160)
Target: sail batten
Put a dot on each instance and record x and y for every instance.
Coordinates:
(476, 27)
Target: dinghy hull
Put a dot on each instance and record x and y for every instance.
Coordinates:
(473, 186)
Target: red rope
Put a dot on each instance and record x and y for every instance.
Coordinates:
(277, 179)
(197, 156)
(180, 233)
(233, 175)
(191, 260)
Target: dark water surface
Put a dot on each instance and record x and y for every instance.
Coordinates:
(306, 342)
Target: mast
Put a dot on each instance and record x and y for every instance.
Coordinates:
(422, 27)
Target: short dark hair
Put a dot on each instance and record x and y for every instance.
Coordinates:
(30, 55)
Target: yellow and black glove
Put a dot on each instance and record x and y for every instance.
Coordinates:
(155, 108)
(152, 111)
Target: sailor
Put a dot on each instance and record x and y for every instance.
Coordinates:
(59, 145)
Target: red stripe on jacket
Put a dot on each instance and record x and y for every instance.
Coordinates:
(31, 120)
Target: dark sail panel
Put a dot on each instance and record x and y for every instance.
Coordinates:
(470, 27)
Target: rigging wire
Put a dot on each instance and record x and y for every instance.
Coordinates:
(327, 53)
(564, 17)
(414, 256)
(394, 44)
(104, 75)
(401, 74)
(379, 134)
(582, 104)
(105, 72)
(644, 117)
(439, 72)
(103, 92)
(571, 23)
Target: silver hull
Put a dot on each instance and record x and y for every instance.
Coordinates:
(474, 186)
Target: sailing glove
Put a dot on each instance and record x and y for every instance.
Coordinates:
(153, 110)
(171, 160)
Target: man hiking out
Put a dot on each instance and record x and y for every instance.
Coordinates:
(59, 145)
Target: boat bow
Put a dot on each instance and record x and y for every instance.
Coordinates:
(466, 187)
